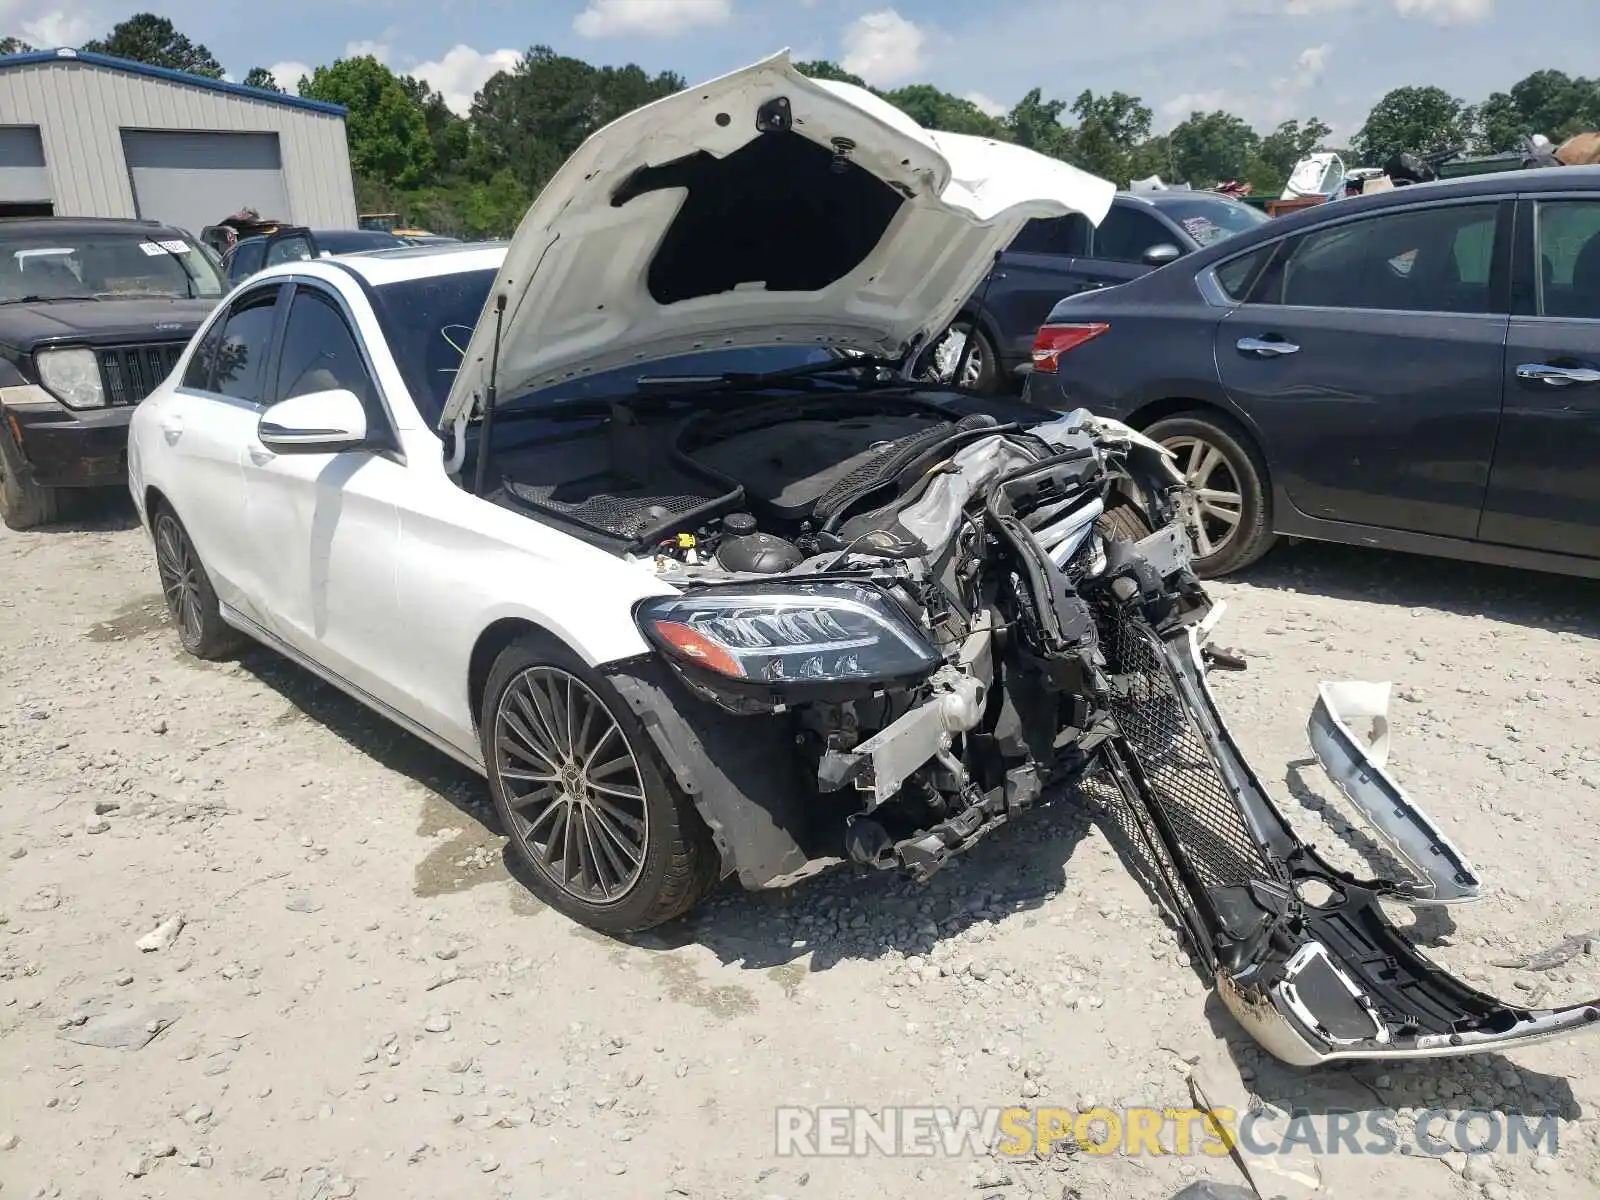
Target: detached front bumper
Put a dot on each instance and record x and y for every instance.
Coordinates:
(67, 448)
(1303, 954)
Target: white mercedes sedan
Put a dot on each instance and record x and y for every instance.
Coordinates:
(645, 517)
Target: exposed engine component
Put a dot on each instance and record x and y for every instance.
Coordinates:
(743, 548)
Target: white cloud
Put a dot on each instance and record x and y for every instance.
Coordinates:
(288, 74)
(1317, 8)
(883, 48)
(52, 29)
(462, 71)
(1279, 100)
(1446, 12)
(648, 18)
(377, 50)
(1311, 64)
(985, 104)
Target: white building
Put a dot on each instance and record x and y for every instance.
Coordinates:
(85, 135)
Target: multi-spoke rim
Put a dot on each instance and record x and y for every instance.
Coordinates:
(1218, 499)
(947, 353)
(180, 577)
(572, 784)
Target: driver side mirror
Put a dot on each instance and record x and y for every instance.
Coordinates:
(1160, 255)
(316, 423)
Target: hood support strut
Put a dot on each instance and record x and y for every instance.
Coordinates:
(486, 430)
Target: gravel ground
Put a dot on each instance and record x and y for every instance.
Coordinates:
(351, 996)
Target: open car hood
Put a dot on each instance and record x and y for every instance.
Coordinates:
(760, 208)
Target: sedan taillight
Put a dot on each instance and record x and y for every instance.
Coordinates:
(1055, 340)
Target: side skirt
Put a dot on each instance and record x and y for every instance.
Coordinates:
(271, 640)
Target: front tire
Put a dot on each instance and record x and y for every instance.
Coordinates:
(602, 835)
(23, 503)
(981, 371)
(1229, 481)
(191, 600)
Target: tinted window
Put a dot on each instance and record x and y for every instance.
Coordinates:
(355, 240)
(1067, 236)
(1421, 260)
(1237, 274)
(246, 258)
(294, 248)
(1127, 233)
(1211, 219)
(246, 339)
(319, 352)
(197, 374)
(1569, 254)
(428, 323)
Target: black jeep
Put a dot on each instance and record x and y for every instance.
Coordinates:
(93, 315)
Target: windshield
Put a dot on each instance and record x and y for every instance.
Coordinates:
(104, 265)
(429, 322)
(1211, 219)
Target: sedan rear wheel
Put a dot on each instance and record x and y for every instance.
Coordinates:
(191, 600)
(1229, 483)
(948, 354)
(603, 836)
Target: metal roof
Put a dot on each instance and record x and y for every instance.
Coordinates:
(34, 57)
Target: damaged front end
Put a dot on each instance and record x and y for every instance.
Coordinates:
(972, 620)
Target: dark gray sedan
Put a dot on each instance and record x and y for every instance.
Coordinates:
(1417, 370)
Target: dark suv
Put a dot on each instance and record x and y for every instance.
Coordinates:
(1061, 256)
(295, 243)
(93, 314)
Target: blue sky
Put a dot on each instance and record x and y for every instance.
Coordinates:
(1264, 59)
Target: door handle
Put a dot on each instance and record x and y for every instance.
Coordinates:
(1557, 376)
(1266, 347)
(260, 455)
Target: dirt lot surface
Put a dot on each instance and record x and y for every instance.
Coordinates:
(350, 996)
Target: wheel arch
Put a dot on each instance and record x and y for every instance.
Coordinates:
(491, 641)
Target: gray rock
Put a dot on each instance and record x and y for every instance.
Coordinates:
(1208, 1189)
(129, 1028)
(437, 1023)
(162, 936)
(302, 902)
(488, 1163)
(9, 1141)
(95, 823)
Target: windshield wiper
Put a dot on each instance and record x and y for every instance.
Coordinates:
(44, 299)
(138, 296)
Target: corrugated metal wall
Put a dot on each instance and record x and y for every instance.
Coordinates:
(81, 111)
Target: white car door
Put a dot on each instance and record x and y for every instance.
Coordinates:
(324, 527)
(206, 423)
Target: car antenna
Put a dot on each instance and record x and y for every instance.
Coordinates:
(486, 433)
(972, 334)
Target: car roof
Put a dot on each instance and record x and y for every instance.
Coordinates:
(398, 265)
(288, 228)
(80, 226)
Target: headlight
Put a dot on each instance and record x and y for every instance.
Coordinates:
(806, 633)
(72, 376)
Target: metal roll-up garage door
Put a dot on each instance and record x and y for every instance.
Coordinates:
(24, 182)
(193, 179)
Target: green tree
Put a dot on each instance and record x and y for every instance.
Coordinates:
(147, 38)
(822, 69)
(934, 109)
(1418, 119)
(260, 77)
(1211, 147)
(1548, 102)
(387, 132)
(1109, 129)
(1036, 123)
(11, 45)
(532, 118)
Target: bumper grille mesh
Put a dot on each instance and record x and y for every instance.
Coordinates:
(130, 373)
(1183, 780)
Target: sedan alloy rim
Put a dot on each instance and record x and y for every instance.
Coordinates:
(1218, 501)
(180, 577)
(572, 784)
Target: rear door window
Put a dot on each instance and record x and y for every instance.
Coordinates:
(1569, 258)
(1418, 260)
(1064, 237)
